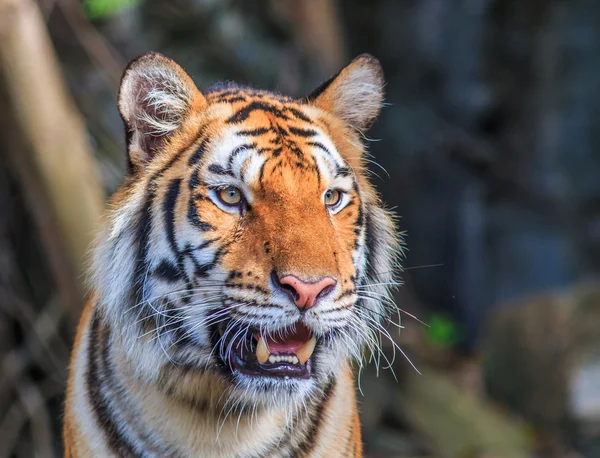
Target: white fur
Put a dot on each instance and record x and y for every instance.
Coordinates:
(153, 99)
(359, 97)
(168, 97)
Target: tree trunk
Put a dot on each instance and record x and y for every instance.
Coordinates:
(46, 142)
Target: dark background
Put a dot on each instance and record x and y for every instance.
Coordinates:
(487, 149)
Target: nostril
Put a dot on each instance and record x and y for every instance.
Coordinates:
(325, 291)
(290, 289)
(284, 286)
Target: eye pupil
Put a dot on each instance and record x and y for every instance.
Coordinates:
(230, 195)
(332, 197)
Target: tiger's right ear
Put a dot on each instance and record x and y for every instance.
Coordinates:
(155, 99)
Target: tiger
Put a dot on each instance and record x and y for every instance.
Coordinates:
(241, 273)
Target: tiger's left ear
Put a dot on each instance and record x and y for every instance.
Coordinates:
(156, 99)
(355, 94)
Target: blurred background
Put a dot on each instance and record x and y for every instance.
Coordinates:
(488, 150)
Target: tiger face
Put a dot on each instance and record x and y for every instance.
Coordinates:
(247, 244)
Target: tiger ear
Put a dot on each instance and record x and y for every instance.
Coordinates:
(355, 94)
(155, 99)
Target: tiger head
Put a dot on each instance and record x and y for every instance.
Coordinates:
(246, 244)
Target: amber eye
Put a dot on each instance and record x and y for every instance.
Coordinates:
(332, 197)
(230, 195)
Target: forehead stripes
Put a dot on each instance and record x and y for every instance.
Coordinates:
(269, 128)
(283, 112)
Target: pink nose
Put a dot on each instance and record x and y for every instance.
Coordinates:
(305, 294)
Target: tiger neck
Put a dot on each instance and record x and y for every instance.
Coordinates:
(200, 421)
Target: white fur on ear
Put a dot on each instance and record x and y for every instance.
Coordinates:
(155, 98)
(355, 95)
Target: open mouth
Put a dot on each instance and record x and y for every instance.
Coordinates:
(286, 354)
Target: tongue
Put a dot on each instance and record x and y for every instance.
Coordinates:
(291, 341)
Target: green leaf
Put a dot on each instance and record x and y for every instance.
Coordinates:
(98, 9)
(442, 330)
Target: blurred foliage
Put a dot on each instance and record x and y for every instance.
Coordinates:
(99, 9)
(443, 330)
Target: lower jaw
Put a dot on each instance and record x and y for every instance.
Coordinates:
(275, 370)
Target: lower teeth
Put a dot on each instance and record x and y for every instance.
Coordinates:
(283, 359)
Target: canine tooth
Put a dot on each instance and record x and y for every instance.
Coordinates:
(306, 350)
(294, 359)
(262, 351)
(272, 359)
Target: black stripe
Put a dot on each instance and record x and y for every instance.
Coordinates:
(280, 131)
(299, 114)
(253, 132)
(321, 146)
(371, 241)
(237, 98)
(223, 89)
(261, 175)
(295, 149)
(220, 170)
(189, 249)
(343, 172)
(308, 443)
(202, 270)
(360, 219)
(143, 235)
(240, 314)
(322, 88)
(238, 150)
(169, 220)
(169, 213)
(317, 171)
(192, 215)
(194, 179)
(97, 351)
(302, 132)
(337, 309)
(346, 293)
(195, 158)
(168, 271)
(243, 113)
